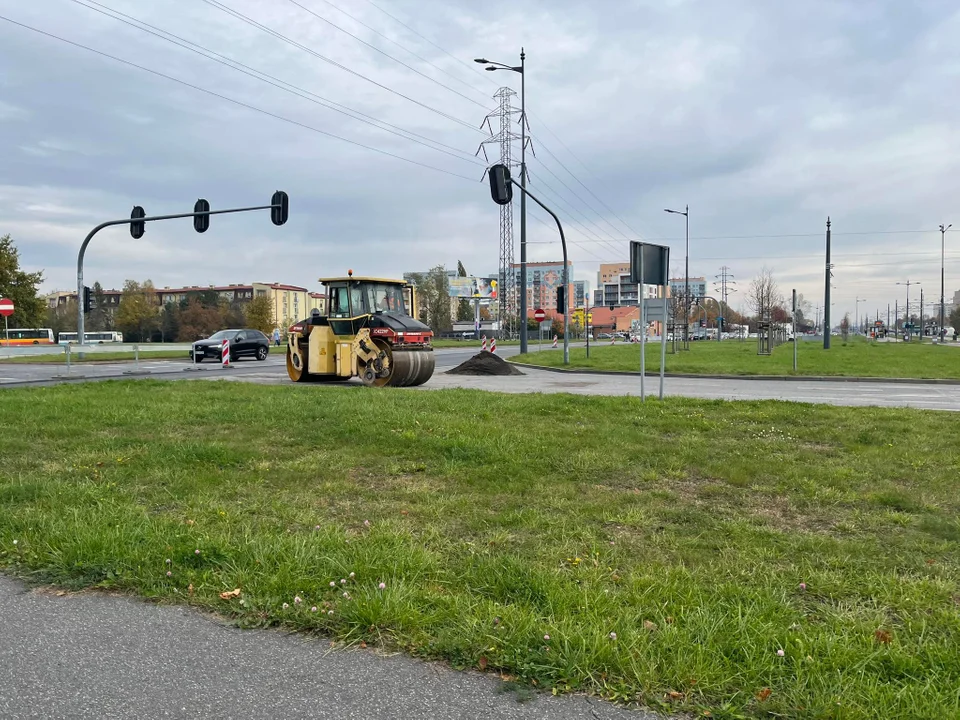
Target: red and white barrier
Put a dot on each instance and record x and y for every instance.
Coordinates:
(483, 346)
(554, 341)
(613, 340)
(225, 353)
(493, 345)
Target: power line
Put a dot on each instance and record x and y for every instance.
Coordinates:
(271, 80)
(601, 231)
(232, 100)
(385, 54)
(406, 49)
(428, 40)
(470, 67)
(240, 16)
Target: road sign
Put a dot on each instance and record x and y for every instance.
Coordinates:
(539, 314)
(6, 307)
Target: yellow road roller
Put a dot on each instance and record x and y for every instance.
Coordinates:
(368, 331)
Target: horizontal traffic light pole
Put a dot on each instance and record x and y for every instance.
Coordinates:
(279, 209)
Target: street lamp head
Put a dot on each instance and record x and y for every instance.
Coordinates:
(481, 60)
(490, 68)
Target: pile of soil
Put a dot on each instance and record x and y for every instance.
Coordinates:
(485, 363)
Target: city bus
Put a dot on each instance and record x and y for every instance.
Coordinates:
(91, 338)
(27, 336)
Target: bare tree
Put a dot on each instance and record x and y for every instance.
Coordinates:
(764, 294)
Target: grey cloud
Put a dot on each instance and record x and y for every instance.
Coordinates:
(763, 118)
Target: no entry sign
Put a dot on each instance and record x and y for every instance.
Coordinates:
(538, 314)
(6, 307)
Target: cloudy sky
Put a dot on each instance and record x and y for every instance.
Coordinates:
(764, 117)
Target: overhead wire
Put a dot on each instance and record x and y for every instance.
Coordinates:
(385, 54)
(539, 141)
(234, 101)
(405, 49)
(280, 36)
(274, 81)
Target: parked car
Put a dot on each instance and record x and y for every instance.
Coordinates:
(245, 342)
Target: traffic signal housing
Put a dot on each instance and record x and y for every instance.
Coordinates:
(561, 299)
(280, 207)
(137, 228)
(201, 222)
(501, 188)
(86, 300)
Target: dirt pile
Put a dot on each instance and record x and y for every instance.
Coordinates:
(485, 363)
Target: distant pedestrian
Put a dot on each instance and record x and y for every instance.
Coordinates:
(276, 336)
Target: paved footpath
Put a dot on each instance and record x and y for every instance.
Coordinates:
(91, 655)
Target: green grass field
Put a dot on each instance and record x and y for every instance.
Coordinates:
(856, 358)
(61, 359)
(757, 559)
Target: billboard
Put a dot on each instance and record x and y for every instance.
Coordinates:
(473, 287)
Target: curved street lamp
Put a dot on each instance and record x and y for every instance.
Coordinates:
(686, 272)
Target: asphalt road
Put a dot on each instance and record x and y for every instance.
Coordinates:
(94, 656)
(885, 394)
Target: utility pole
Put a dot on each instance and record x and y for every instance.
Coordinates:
(826, 294)
(888, 316)
(857, 312)
(921, 314)
(504, 138)
(908, 283)
(725, 287)
(943, 232)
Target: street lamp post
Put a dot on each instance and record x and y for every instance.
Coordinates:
(857, 311)
(943, 232)
(492, 66)
(686, 271)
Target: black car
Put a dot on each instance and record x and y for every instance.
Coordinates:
(243, 343)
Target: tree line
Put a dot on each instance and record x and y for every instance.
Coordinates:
(141, 318)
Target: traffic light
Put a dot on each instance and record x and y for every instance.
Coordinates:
(280, 207)
(86, 300)
(137, 228)
(501, 189)
(201, 222)
(561, 299)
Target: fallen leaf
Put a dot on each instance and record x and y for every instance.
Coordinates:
(764, 694)
(669, 619)
(190, 588)
(482, 662)
(404, 512)
(189, 522)
(882, 636)
(230, 594)
(930, 562)
(363, 644)
(674, 695)
(61, 593)
(651, 626)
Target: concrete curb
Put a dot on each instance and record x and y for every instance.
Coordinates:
(768, 378)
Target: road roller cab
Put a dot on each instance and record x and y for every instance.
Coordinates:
(368, 330)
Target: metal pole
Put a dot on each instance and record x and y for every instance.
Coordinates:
(943, 232)
(643, 338)
(566, 274)
(6, 330)
(794, 330)
(476, 319)
(523, 205)
(663, 330)
(68, 358)
(586, 324)
(826, 296)
(686, 272)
